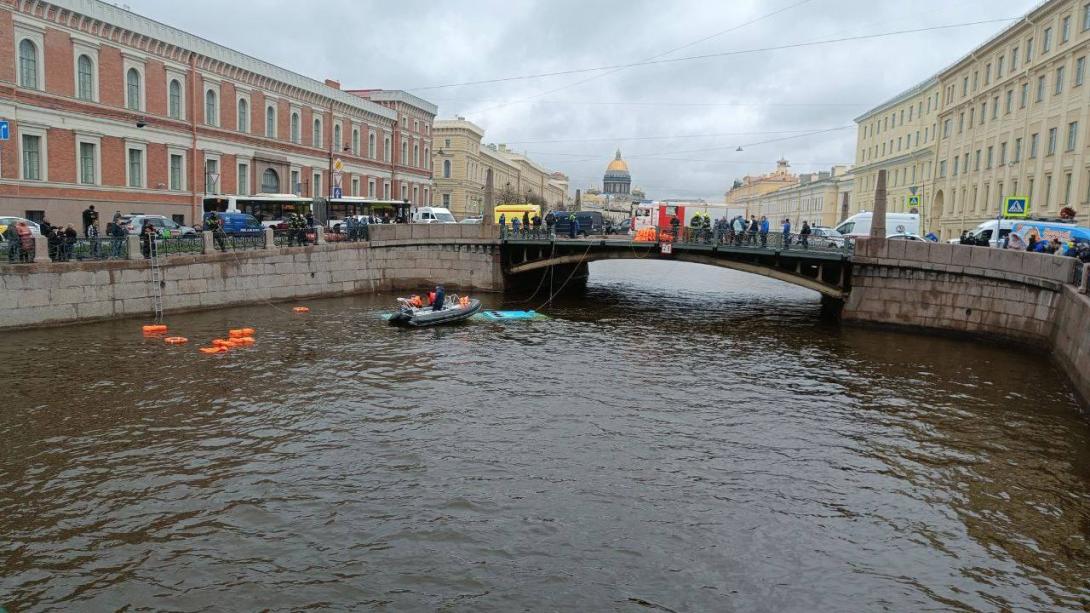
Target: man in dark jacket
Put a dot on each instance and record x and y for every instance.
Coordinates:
(90, 217)
(550, 224)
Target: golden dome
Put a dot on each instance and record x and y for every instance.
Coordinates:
(617, 164)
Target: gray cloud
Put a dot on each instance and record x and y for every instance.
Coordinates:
(418, 43)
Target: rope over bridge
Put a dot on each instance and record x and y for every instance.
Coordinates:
(818, 264)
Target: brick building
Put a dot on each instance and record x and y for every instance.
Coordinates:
(110, 108)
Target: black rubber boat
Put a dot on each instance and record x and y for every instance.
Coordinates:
(453, 312)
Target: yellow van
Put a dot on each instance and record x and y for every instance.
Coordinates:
(511, 211)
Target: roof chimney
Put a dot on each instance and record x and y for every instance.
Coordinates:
(333, 84)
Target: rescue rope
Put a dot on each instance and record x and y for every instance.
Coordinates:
(566, 281)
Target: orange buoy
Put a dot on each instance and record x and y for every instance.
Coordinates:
(236, 332)
(154, 329)
(216, 349)
(221, 342)
(301, 309)
(244, 340)
(175, 340)
(247, 332)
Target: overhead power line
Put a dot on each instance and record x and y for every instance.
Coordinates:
(653, 57)
(691, 58)
(677, 104)
(633, 138)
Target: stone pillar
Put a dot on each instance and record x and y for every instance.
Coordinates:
(41, 249)
(489, 200)
(206, 239)
(134, 247)
(319, 235)
(270, 238)
(878, 218)
(845, 206)
(1084, 278)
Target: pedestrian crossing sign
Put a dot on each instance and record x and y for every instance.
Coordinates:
(914, 201)
(1016, 206)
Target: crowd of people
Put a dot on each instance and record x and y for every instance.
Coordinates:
(738, 230)
(530, 226)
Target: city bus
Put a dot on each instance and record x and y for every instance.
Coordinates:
(272, 210)
(335, 211)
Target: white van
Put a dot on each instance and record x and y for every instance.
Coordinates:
(986, 231)
(896, 223)
(433, 214)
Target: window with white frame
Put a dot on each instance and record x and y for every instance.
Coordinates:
(355, 141)
(295, 187)
(295, 128)
(316, 135)
(243, 115)
(404, 192)
(416, 156)
(32, 142)
(86, 86)
(416, 195)
(135, 170)
(337, 137)
(88, 161)
(175, 108)
(134, 88)
(270, 182)
(355, 186)
(404, 161)
(176, 170)
(211, 175)
(316, 185)
(211, 108)
(446, 169)
(270, 121)
(29, 64)
(427, 158)
(446, 201)
(243, 178)
(370, 188)
(386, 190)
(371, 145)
(386, 149)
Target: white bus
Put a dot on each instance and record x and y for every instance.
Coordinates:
(270, 209)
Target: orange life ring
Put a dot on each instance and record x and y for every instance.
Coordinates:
(220, 342)
(175, 340)
(247, 332)
(301, 309)
(155, 328)
(236, 332)
(213, 349)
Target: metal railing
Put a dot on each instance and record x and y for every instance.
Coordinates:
(16, 252)
(776, 241)
(187, 244)
(343, 233)
(294, 238)
(97, 248)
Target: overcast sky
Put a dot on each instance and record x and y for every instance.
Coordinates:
(575, 122)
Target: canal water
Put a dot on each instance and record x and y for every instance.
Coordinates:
(678, 438)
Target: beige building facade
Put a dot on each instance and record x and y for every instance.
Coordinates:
(1008, 119)
(461, 164)
(817, 198)
(751, 186)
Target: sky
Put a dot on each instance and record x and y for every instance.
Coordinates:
(678, 123)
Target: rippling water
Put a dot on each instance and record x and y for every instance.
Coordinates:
(678, 438)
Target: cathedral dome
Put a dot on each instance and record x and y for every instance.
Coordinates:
(617, 166)
(617, 179)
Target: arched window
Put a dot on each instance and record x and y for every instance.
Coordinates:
(85, 78)
(270, 121)
(316, 137)
(404, 153)
(416, 156)
(427, 158)
(270, 182)
(337, 137)
(371, 145)
(174, 107)
(211, 113)
(243, 115)
(446, 169)
(386, 149)
(355, 142)
(132, 89)
(295, 138)
(28, 64)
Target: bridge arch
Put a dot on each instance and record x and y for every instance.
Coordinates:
(795, 275)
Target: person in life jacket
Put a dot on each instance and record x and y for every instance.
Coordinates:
(573, 226)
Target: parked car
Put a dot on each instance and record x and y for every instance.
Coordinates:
(858, 225)
(475, 220)
(7, 221)
(432, 214)
(590, 222)
(828, 236)
(905, 236)
(237, 224)
(162, 224)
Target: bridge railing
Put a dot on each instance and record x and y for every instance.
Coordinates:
(776, 241)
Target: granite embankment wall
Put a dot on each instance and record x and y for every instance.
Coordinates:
(991, 293)
(463, 257)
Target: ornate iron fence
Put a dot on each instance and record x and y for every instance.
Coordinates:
(294, 238)
(189, 244)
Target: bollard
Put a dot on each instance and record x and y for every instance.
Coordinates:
(41, 249)
(270, 238)
(133, 243)
(206, 242)
(319, 235)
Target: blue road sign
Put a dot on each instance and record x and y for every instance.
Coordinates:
(1016, 206)
(338, 192)
(5, 130)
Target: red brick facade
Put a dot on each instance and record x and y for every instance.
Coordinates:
(51, 111)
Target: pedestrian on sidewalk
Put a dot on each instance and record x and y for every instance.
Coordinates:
(804, 235)
(764, 231)
(786, 233)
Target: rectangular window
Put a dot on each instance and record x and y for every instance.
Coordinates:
(1034, 140)
(355, 186)
(1018, 150)
(1065, 30)
(1080, 70)
(1048, 190)
(176, 183)
(976, 80)
(964, 86)
(243, 179)
(942, 169)
(370, 188)
(1072, 135)
(1025, 96)
(961, 122)
(1046, 44)
(316, 185)
(1059, 80)
(995, 107)
(1010, 101)
(1014, 59)
(446, 201)
(976, 160)
(211, 176)
(972, 114)
(1086, 17)
(988, 74)
(1051, 141)
(988, 161)
(1029, 50)
(32, 157)
(956, 160)
(1040, 88)
(1067, 188)
(87, 156)
(999, 66)
(1029, 192)
(946, 128)
(1002, 153)
(295, 187)
(136, 168)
